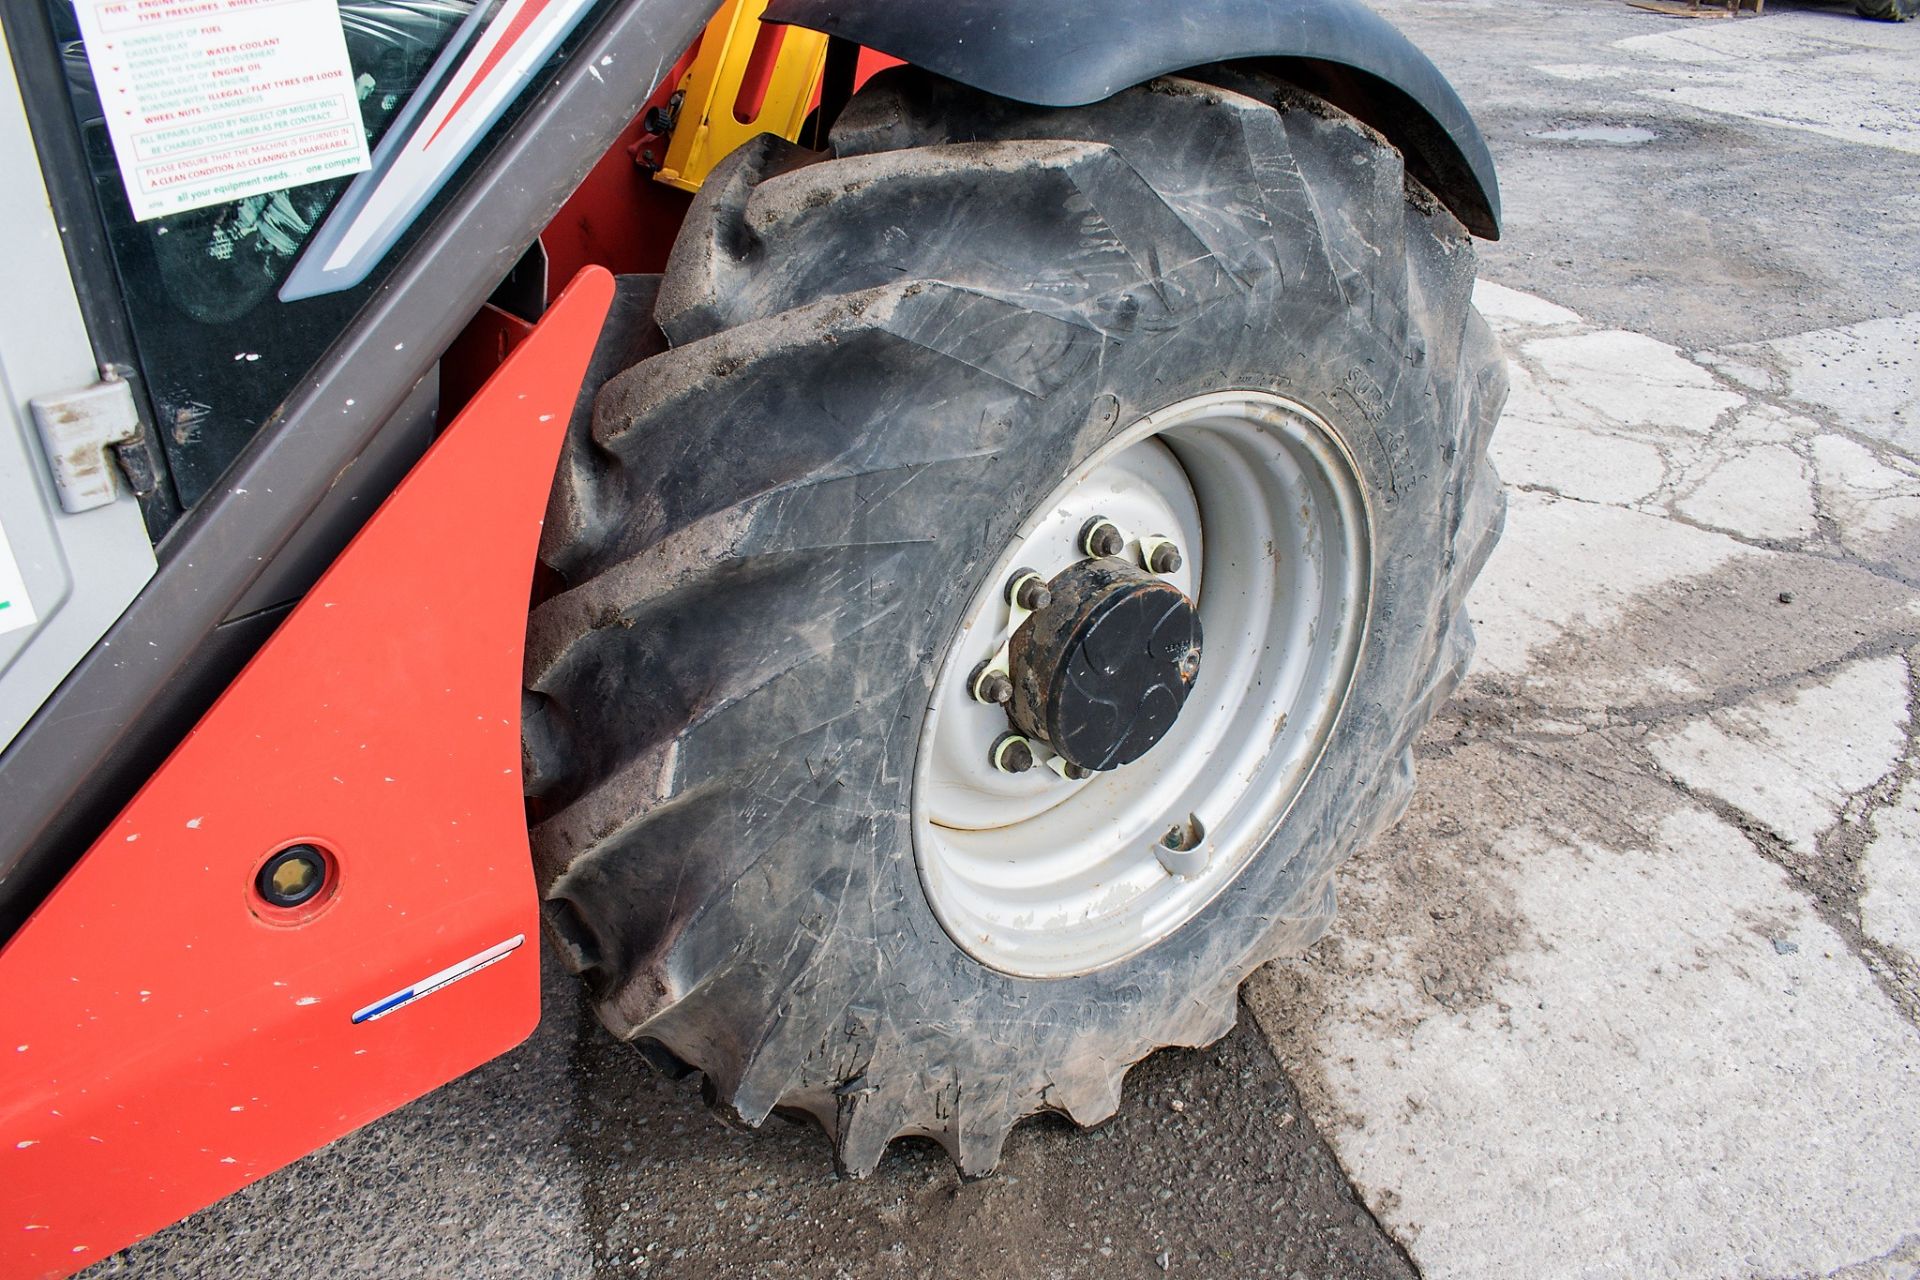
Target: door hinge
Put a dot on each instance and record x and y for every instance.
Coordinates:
(77, 428)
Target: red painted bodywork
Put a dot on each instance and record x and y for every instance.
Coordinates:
(482, 347)
(872, 63)
(163, 1039)
(619, 217)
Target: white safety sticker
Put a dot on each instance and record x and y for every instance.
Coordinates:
(427, 986)
(16, 611)
(211, 101)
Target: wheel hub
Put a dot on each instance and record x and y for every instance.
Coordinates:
(1101, 673)
(1078, 796)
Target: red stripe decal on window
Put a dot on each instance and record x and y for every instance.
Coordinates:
(515, 29)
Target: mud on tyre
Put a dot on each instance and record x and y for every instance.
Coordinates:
(884, 362)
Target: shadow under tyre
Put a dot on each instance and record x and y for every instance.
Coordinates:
(1201, 361)
(1888, 10)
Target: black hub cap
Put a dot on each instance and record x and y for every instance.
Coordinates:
(1101, 673)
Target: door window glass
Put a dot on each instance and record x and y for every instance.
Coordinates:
(218, 349)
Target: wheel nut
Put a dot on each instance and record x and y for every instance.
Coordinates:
(990, 686)
(1102, 537)
(1011, 753)
(1186, 849)
(1161, 556)
(1075, 772)
(1028, 590)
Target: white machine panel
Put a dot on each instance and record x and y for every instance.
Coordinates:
(67, 574)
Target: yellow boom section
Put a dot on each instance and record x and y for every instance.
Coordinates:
(748, 78)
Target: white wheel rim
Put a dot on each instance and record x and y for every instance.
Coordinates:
(1039, 876)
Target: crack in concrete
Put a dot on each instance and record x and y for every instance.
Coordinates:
(1689, 458)
(1831, 883)
(1830, 879)
(1846, 843)
(1490, 696)
(1904, 1252)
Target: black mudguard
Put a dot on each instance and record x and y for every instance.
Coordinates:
(1067, 53)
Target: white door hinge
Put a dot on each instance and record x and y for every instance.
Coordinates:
(76, 429)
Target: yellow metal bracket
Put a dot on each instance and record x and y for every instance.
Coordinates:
(747, 78)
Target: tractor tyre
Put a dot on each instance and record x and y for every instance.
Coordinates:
(778, 834)
(1888, 10)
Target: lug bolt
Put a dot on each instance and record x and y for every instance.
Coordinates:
(1102, 537)
(1075, 772)
(1161, 555)
(1185, 850)
(1028, 590)
(989, 686)
(1011, 753)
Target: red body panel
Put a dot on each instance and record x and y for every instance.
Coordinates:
(163, 1040)
(619, 217)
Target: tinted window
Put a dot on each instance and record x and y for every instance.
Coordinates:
(218, 349)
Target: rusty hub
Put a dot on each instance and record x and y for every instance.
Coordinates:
(1101, 673)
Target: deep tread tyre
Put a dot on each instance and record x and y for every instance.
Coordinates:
(1888, 10)
(881, 361)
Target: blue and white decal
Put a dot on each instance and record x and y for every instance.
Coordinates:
(493, 56)
(432, 983)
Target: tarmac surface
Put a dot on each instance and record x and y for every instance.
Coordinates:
(1633, 989)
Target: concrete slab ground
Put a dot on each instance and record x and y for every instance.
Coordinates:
(1632, 990)
(1606, 1002)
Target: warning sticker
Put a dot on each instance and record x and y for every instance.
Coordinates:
(16, 610)
(209, 101)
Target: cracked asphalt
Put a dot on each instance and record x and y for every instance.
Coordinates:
(1633, 989)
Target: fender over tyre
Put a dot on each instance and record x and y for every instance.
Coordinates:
(882, 358)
